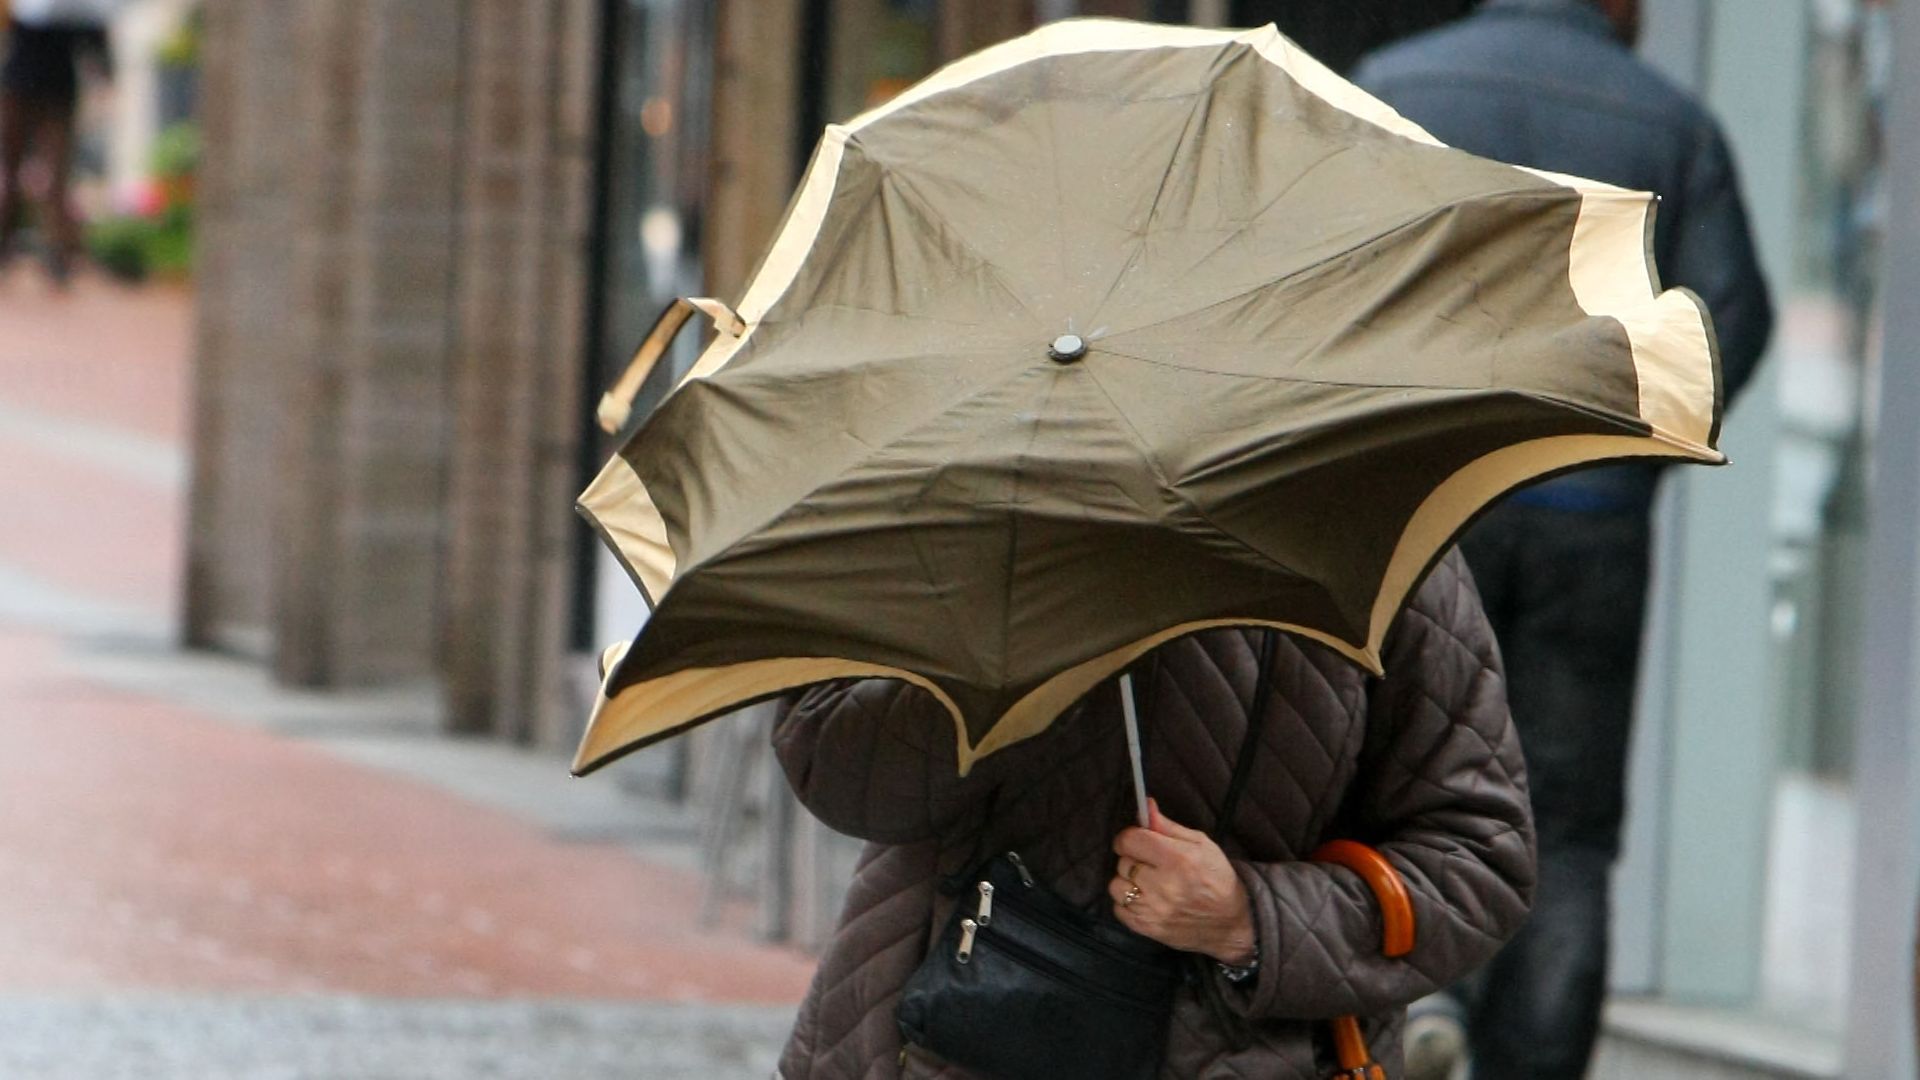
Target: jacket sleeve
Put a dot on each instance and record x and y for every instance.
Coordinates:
(1713, 255)
(1441, 792)
(876, 759)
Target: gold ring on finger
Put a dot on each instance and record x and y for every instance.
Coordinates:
(1133, 893)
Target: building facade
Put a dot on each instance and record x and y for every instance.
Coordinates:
(1764, 912)
(435, 227)
(394, 270)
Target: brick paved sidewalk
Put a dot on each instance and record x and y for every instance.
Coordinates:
(180, 868)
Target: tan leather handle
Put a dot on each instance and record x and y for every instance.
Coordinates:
(616, 405)
(1396, 922)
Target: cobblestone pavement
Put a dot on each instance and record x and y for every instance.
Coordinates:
(203, 876)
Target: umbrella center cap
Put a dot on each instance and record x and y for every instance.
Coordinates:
(1067, 348)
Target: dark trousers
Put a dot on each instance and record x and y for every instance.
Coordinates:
(1566, 593)
(39, 86)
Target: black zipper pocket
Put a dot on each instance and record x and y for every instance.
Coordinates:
(1073, 980)
(1035, 908)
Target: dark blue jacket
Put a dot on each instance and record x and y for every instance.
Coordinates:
(1544, 83)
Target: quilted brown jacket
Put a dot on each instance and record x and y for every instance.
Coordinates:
(1423, 764)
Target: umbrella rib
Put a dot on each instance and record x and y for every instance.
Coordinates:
(1059, 199)
(912, 316)
(908, 190)
(770, 372)
(1301, 380)
(733, 545)
(1153, 462)
(1013, 523)
(1257, 215)
(1203, 99)
(1551, 400)
(1408, 225)
(830, 258)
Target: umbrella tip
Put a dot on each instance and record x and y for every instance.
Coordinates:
(1067, 348)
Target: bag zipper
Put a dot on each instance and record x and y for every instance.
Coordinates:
(1038, 913)
(1053, 967)
(1026, 875)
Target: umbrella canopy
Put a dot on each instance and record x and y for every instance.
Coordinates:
(1109, 334)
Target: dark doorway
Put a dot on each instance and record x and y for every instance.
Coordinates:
(655, 92)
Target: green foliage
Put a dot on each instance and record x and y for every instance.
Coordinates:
(119, 246)
(170, 249)
(141, 246)
(136, 247)
(181, 48)
(176, 151)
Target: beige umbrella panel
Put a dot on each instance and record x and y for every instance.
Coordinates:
(1106, 335)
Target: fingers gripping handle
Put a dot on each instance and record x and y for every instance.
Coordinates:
(616, 405)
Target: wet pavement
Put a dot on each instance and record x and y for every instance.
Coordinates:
(206, 876)
(366, 1038)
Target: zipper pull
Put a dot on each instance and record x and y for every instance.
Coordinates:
(1026, 875)
(985, 914)
(967, 929)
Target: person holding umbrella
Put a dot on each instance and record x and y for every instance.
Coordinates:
(1423, 764)
(1098, 424)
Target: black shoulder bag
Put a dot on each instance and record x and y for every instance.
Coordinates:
(1024, 985)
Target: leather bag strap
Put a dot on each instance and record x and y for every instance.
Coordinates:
(1265, 642)
(1239, 1032)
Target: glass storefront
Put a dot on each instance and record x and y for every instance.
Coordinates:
(657, 142)
(1738, 881)
(1829, 291)
(658, 147)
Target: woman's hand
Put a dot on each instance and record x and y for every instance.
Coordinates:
(1184, 893)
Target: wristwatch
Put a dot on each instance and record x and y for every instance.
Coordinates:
(1239, 975)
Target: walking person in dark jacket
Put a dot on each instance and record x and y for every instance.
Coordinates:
(1563, 565)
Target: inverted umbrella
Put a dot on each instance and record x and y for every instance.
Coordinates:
(1102, 336)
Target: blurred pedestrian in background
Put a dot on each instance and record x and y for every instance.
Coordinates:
(39, 96)
(1564, 565)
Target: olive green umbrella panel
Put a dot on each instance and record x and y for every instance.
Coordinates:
(1108, 334)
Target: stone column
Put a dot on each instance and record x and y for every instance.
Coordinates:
(321, 407)
(318, 338)
(244, 283)
(527, 126)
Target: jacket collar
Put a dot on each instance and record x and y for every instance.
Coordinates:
(1580, 13)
